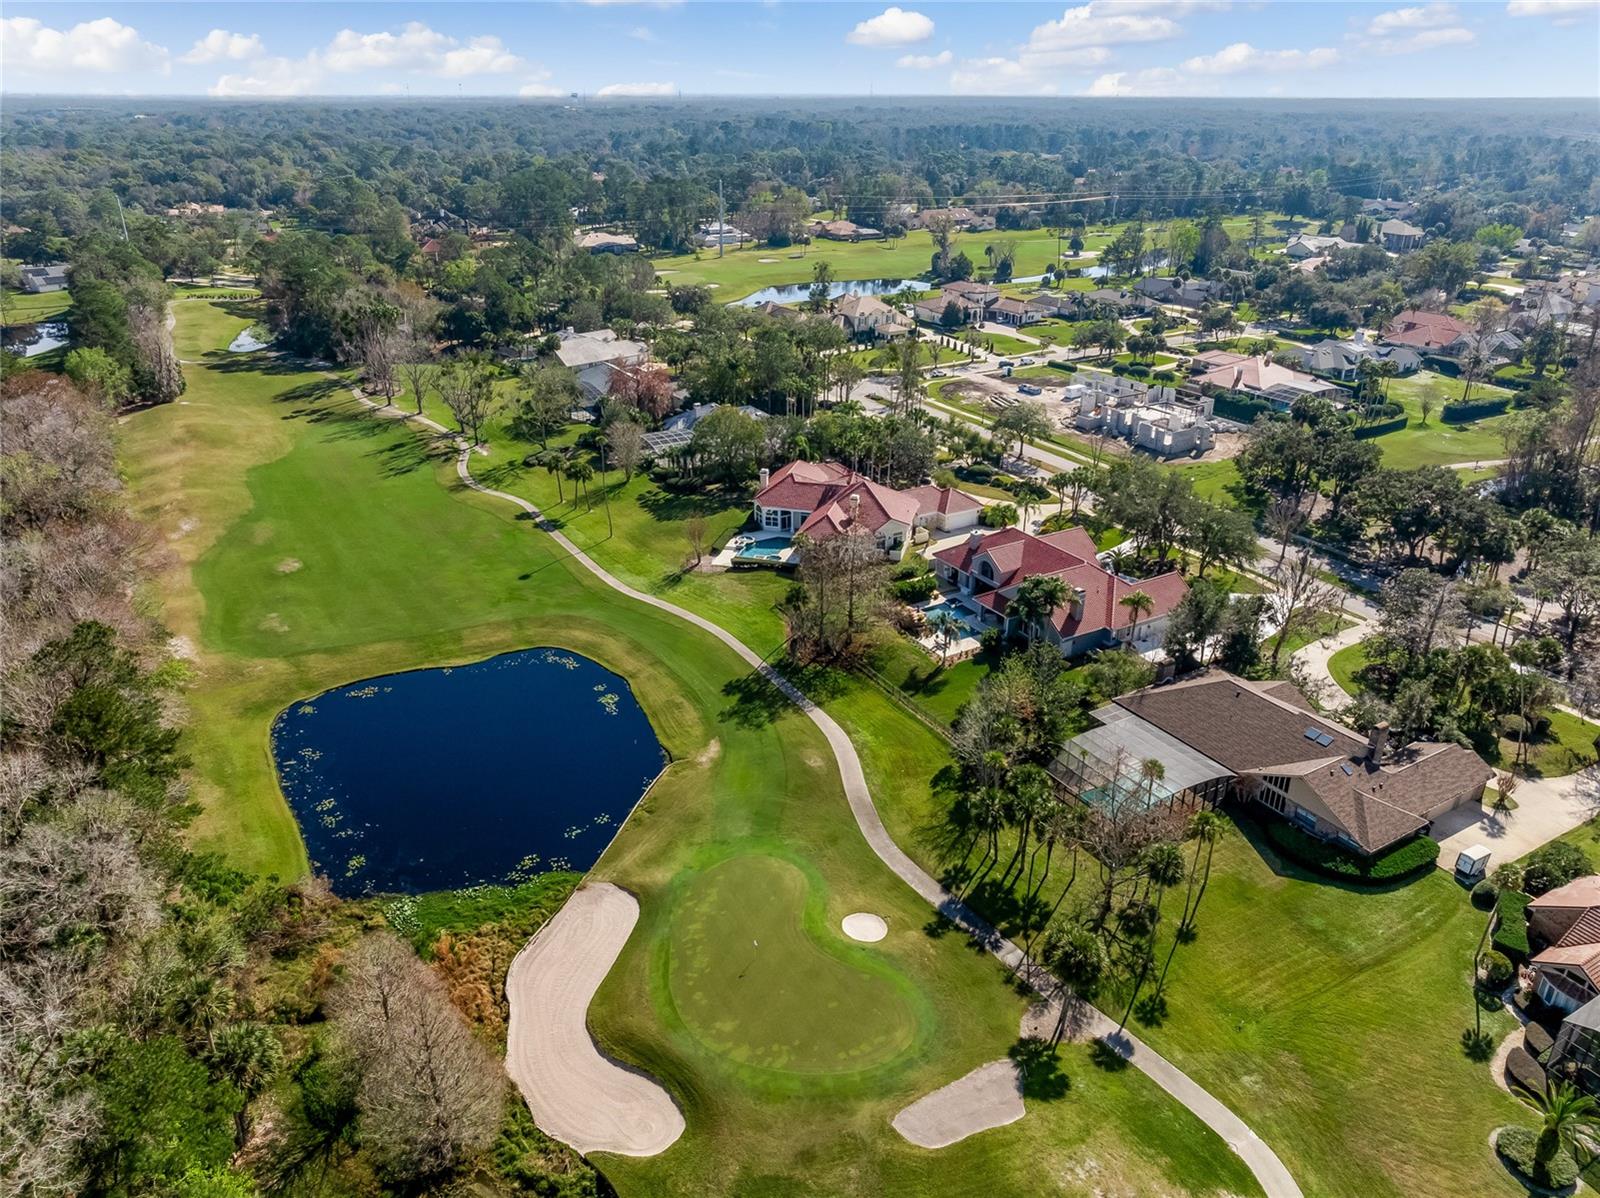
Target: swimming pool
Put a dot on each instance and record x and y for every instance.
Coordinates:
(771, 549)
(955, 610)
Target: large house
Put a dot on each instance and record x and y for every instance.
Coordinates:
(595, 356)
(1264, 741)
(1184, 293)
(1342, 359)
(868, 318)
(39, 279)
(818, 500)
(1423, 331)
(1311, 245)
(1010, 310)
(597, 241)
(844, 230)
(985, 572)
(1257, 378)
(1399, 237)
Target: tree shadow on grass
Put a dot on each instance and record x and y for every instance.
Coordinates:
(1042, 1076)
(755, 702)
(1108, 1054)
(668, 506)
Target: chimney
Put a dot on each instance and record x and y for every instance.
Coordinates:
(855, 507)
(1377, 741)
(1360, 337)
(1076, 602)
(974, 537)
(765, 476)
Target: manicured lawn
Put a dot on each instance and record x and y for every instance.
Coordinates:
(1345, 664)
(22, 307)
(1566, 747)
(930, 355)
(999, 343)
(1220, 482)
(1329, 624)
(1437, 443)
(1586, 837)
(745, 838)
(739, 272)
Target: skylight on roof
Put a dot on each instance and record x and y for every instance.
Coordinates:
(1312, 733)
(1348, 772)
(1324, 739)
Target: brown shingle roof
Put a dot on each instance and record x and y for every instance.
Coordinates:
(1233, 723)
(1582, 892)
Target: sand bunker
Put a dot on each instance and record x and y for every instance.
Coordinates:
(577, 1094)
(989, 1096)
(863, 925)
(767, 259)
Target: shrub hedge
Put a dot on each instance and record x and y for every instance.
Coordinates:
(1242, 411)
(1064, 367)
(1518, 1145)
(1537, 1039)
(1380, 428)
(1325, 857)
(1511, 925)
(1497, 969)
(1459, 413)
(1525, 1071)
(912, 590)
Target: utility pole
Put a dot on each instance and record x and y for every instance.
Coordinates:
(121, 216)
(722, 221)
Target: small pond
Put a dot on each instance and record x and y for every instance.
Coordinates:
(490, 772)
(789, 293)
(28, 340)
(247, 343)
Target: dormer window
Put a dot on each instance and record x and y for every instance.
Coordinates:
(986, 570)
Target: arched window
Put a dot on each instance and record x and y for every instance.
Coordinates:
(986, 570)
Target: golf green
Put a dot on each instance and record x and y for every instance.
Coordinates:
(751, 978)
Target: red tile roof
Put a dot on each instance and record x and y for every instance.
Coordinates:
(944, 500)
(826, 490)
(1424, 330)
(1069, 555)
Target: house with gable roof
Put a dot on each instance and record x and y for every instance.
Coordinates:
(818, 500)
(984, 573)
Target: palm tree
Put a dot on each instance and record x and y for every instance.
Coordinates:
(1029, 495)
(581, 473)
(1204, 827)
(1036, 598)
(1571, 1121)
(553, 461)
(1139, 605)
(1151, 770)
(1163, 867)
(945, 626)
(1061, 483)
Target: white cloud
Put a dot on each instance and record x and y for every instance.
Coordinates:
(220, 45)
(1029, 75)
(925, 62)
(1104, 23)
(892, 27)
(1420, 27)
(419, 49)
(1078, 39)
(538, 89)
(1562, 12)
(1201, 75)
(1242, 56)
(642, 33)
(269, 77)
(638, 89)
(1428, 16)
(102, 45)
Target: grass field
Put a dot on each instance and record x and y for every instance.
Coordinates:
(1437, 443)
(315, 544)
(22, 307)
(739, 272)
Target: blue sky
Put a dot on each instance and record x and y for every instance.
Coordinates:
(669, 47)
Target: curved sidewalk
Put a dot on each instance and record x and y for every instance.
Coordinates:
(1269, 1171)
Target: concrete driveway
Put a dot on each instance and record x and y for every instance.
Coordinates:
(1546, 808)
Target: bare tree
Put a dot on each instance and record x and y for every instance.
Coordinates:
(1301, 600)
(430, 1095)
(417, 369)
(162, 376)
(695, 530)
(626, 447)
(467, 387)
(380, 349)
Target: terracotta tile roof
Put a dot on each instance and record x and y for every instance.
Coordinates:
(943, 500)
(1583, 892)
(1074, 540)
(1584, 930)
(878, 506)
(802, 486)
(1424, 330)
(1012, 307)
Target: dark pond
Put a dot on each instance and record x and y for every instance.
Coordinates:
(27, 340)
(789, 293)
(490, 772)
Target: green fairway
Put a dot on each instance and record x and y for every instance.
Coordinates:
(24, 307)
(743, 931)
(313, 543)
(741, 271)
(1436, 443)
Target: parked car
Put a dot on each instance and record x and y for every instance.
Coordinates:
(936, 374)
(1025, 361)
(1029, 389)
(1007, 363)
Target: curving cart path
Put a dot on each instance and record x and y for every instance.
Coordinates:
(1269, 1171)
